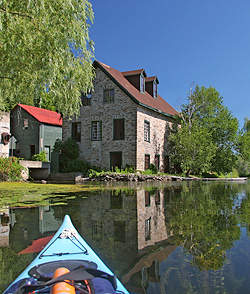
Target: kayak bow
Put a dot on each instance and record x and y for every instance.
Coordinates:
(66, 249)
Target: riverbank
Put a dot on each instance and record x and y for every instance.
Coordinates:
(138, 177)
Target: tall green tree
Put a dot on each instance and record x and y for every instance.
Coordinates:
(39, 41)
(208, 121)
(243, 163)
(195, 149)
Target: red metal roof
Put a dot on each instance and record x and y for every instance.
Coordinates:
(43, 115)
(158, 104)
(37, 245)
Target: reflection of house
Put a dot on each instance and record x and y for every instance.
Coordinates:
(108, 222)
(4, 227)
(47, 220)
(4, 133)
(128, 229)
(151, 218)
(35, 130)
(124, 121)
(40, 223)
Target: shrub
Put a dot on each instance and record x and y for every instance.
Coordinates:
(40, 157)
(153, 168)
(74, 165)
(209, 175)
(68, 157)
(129, 169)
(70, 149)
(10, 169)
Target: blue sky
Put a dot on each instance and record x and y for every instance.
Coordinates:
(183, 42)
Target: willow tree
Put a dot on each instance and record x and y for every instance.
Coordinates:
(45, 53)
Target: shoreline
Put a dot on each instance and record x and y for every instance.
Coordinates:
(150, 178)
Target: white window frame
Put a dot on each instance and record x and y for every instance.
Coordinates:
(96, 130)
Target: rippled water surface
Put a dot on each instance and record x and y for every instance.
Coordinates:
(172, 238)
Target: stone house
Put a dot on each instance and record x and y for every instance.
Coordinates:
(123, 122)
(34, 129)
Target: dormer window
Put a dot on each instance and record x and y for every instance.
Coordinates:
(142, 83)
(154, 89)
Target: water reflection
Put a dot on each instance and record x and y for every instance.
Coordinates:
(4, 227)
(177, 238)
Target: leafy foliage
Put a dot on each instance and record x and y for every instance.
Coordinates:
(40, 157)
(10, 169)
(243, 162)
(195, 149)
(38, 44)
(207, 138)
(244, 143)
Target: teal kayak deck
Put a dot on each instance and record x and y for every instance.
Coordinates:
(67, 244)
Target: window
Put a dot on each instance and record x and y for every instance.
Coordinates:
(25, 123)
(148, 229)
(146, 131)
(147, 198)
(76, 131)
(155, 89)
(32, 150)
(96, 130)
(157, 161)
(86, 99)
(118, 129)
(142, 83)
(108, 95)
(147, 161)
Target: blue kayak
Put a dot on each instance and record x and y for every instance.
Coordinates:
(66, 249)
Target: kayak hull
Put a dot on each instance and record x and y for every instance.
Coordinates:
(67, 244)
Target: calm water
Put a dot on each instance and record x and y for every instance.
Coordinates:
(176, 238)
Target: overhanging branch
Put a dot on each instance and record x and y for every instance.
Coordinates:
(2, 9)
(7, 78)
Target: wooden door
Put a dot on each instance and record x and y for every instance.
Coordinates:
(115, 160)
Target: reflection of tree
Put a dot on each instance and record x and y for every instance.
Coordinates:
(244, 210)
(202, 220)
(11, 266)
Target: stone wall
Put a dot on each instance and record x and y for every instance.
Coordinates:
(97, 153)
(159, 127)
(4, 128)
